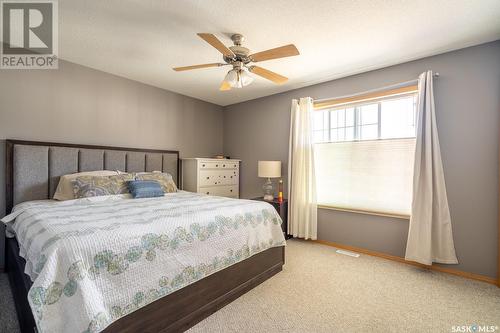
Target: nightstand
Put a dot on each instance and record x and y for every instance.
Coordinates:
(282, 209)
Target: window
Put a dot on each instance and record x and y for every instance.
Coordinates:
(364, 153)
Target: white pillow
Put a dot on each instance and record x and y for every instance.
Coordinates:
(64, 189)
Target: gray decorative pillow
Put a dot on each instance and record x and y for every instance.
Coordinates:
(164, 179)
(93, 186)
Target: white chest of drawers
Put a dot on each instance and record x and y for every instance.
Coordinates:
(211, 176)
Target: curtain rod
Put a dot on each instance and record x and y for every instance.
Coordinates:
(396, 85)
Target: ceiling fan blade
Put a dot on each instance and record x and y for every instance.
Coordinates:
(215, 42)
(187, 68)
(267, 74)
(279, 52)
(225, 86)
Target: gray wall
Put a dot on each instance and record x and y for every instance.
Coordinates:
(76, 104)
(467, 96)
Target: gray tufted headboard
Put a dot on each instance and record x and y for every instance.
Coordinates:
(33, 168)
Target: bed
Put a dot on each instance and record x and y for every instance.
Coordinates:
(125, 265)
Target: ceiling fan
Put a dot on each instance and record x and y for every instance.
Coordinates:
(240, 58)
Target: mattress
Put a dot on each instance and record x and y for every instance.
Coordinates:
(95, 260)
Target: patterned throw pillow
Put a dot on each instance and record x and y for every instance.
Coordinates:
(64, 189)
(93, 186)
(165, 180)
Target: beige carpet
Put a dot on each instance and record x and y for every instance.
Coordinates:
(322, 291)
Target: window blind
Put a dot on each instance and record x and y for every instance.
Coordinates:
(371, 175)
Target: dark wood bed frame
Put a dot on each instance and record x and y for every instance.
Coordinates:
(175, 312)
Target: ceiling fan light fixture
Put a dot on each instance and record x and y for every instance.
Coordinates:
(238, 78)
(232, 78)
(245, 78)
(225, 86)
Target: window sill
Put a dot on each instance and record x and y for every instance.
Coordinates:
(366, 212)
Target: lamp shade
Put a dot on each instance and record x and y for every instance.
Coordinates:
(269, 169)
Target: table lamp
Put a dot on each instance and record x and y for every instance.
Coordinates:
(269, 169)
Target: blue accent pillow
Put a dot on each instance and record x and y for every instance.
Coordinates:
(145, 189)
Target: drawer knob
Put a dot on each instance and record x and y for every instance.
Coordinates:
(203, 165)
(230, 190)
(223, 165)
(208, 177)
(208, 192)
(216, 165)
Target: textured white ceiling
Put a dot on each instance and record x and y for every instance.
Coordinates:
(143, 39)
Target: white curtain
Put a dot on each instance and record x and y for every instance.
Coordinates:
(430, 237)
(302, 210)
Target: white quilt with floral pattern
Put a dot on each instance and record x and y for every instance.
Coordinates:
(95, 261)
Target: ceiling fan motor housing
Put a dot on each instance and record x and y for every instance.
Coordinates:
(240, 50)
(241, 53)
